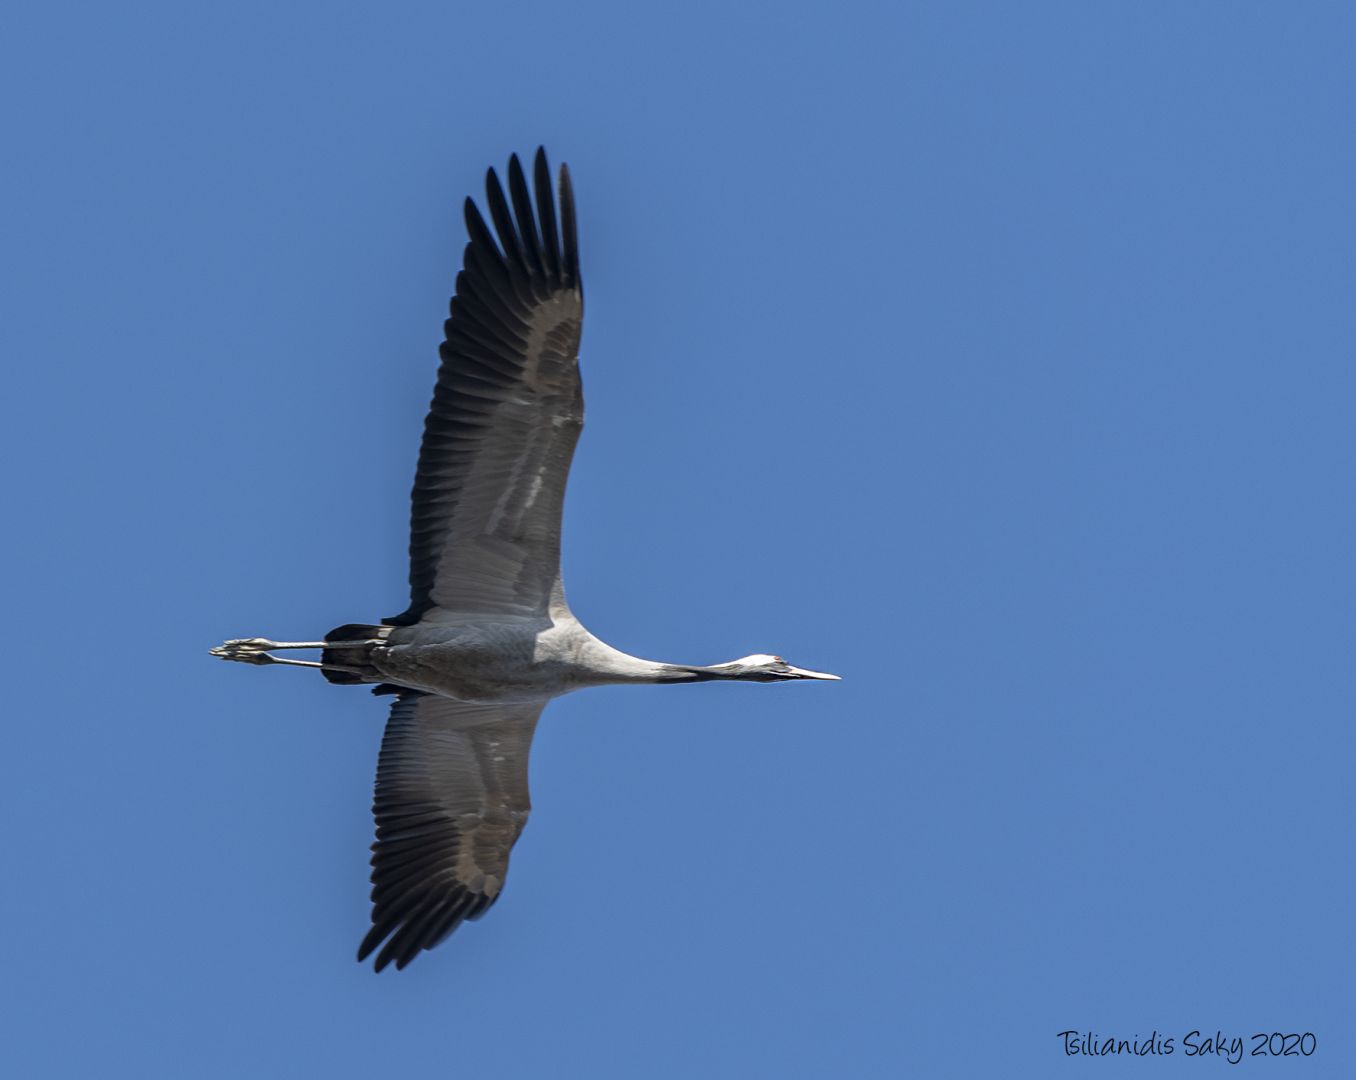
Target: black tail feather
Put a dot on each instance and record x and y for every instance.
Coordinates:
(358, 659)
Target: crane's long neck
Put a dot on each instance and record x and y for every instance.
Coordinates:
(608, 665)
(597, 664)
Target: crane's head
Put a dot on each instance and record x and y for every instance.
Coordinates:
(761, 667)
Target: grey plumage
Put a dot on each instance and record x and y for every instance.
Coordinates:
(488, 638)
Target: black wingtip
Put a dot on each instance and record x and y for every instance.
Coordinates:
(568, 231)
(527, 220)
(370, 941)
(546, 214)
(478, 231)
(536, 241)
(503, 220)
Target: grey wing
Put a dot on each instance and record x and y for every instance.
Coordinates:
(451, 801)
(506, 412)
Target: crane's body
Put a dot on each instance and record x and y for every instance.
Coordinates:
(487, 639)
(511, 658)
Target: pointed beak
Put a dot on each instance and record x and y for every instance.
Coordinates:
(802, 673)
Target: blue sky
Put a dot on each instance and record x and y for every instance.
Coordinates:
(996, 356)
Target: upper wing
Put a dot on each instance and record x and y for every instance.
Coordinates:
(506, 412)
(451, 801)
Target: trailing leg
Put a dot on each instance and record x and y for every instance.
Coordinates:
(259, 651)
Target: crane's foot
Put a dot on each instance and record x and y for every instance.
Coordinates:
(245, 650)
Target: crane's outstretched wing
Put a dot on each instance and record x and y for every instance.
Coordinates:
(506, 412)
(451, 801)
